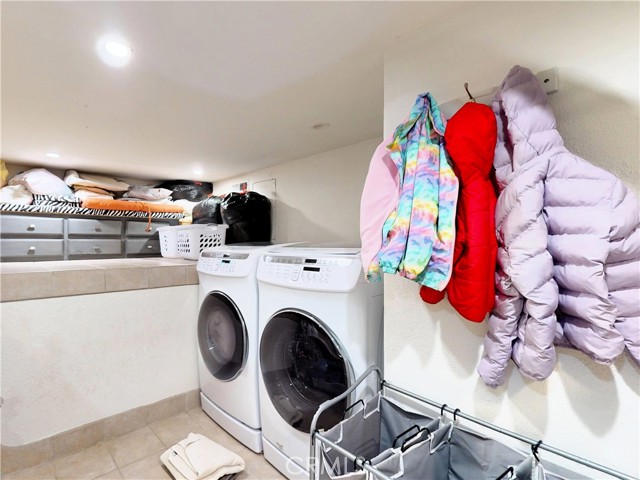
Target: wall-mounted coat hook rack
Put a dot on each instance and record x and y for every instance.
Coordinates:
(548, 78)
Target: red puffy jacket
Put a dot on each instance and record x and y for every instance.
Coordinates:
(470, 139)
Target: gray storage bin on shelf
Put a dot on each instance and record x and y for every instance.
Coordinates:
(29, 236)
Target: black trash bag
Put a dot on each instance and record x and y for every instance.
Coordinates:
(208, 211)
(248, 216)
(188, 190)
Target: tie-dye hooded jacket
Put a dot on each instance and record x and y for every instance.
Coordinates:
(418, 236)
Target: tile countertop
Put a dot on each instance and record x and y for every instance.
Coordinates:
(29, 280)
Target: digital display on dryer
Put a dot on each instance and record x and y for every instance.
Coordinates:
(311, 269)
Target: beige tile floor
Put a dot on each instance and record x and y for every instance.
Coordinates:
(136, 455)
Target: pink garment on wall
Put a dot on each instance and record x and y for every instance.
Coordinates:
(379, 197)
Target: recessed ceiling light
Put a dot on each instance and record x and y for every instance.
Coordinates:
(320, 126)
(53, 155)
(114, 51)
(118, 49)
(197, 171)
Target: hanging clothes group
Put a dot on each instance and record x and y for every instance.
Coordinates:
(556, 260)
(417, 236)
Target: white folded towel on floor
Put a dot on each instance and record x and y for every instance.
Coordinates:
(196, 457)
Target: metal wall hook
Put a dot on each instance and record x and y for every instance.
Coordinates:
(534, 450)
(509, 471)
(455, 413)
(466, 87)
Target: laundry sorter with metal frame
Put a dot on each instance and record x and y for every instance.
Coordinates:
(383, 439)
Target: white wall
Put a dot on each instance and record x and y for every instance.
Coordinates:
(317, 197)
(590, 410)
(70, 361)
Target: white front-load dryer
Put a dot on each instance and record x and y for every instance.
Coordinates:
(320, 327)
(228, 339)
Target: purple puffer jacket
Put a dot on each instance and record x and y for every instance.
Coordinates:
(569, 239)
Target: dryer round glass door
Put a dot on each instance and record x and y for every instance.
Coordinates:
(302, 366)
(222, 336)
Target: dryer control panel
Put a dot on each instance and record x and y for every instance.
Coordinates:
(225, 264)
(332, 274)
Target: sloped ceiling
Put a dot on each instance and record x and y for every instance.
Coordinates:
(222, 87)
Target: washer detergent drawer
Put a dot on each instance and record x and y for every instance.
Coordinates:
(21, 225)
(29, 250)
(95, 247)
(84, 227)
(142, 246)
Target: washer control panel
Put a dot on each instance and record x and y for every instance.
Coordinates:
(225, 264)
(335, 273)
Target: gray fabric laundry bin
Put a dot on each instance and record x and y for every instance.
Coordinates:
(368, 433)
(423, 459)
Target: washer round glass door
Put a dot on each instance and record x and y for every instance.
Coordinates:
(222, 336)
(302, 366)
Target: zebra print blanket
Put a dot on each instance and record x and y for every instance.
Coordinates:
(71, 208)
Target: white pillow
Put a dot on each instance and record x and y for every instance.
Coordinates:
(82, 195)
(186, 205)
(147, 193)
(42, 182)
(16, 194)
(87, 180)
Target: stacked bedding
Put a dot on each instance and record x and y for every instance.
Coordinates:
(86, 194)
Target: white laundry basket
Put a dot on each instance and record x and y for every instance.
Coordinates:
(187, 241)
(192, 239)
(169, 241)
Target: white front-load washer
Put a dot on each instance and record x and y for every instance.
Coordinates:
(320, 327)
(228, 339)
